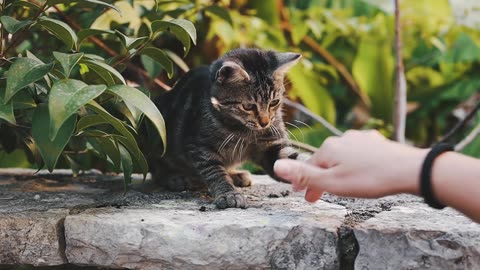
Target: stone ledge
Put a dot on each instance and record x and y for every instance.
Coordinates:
(418, 237)
(32, 238)
(104, 228)
(176, 235)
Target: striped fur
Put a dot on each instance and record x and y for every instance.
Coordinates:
(214, 117)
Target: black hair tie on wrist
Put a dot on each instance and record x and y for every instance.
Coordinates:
(426, 175)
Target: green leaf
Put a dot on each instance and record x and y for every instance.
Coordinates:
(22, 100)
(373, 69)
(90, 121)
(12, 25)
(111, 148)
(184, 30)
(307, 87)
(220, 12)
(160, 57)
(6, 110)
(67, 61)
(102, 3)
(126, 138)
(86, 33)
(136, 98)
(50, 150)
(23, 72)
(129, 42)
(66, 97)
(108, 74)
(127, 165)
(25, 4)
(59, 29)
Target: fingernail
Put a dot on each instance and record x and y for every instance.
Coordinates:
(282, 168)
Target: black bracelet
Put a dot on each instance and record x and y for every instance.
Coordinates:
(426, 175)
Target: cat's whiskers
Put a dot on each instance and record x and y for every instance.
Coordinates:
(241, 149)
(295, 137)
(225, 142)
(295, 126)
(234, 150)
(303, 123)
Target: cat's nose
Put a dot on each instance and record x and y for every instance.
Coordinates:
(263, 121)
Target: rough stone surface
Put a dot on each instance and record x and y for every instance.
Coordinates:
(418, 237)
(32, 238)
(104, 228)
(176, 235)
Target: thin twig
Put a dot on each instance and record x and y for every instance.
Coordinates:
(2, 31)
(317, 118)
(461, 124)
(318, 49)
(303, 146)
(470, 137)
(400, 106)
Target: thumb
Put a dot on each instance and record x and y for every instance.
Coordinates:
(300, 174)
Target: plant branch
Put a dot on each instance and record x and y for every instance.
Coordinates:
(470, 137)
(461, 124)
(304, 146)
(317, 118)
(400, 106)
(318, 49)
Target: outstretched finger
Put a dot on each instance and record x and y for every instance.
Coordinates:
(313, 195)
(300, 174)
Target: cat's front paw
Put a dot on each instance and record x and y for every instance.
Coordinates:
(231, 200)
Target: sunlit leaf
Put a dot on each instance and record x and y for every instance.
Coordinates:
(66, 97)
(23, 72)
(373, 69)
(184, 30)
(110, 75)
(306, 86)
(130, 42)
(50, 150)
(102, 3)
(59, 29)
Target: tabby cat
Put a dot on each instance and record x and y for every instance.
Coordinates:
(220, 115)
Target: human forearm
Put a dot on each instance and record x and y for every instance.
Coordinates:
(456, 183)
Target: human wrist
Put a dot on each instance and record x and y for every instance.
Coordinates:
(410, 176)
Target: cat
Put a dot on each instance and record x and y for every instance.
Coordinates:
(221, 115)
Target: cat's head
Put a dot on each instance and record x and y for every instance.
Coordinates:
(248, 85)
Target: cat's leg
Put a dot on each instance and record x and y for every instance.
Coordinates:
(267, 158)
(241, 178)
(212, 170)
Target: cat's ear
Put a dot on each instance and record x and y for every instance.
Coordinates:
(231, 72)
(286, 61)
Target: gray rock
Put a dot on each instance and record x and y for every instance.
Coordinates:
(32, 238)
(284, 233)
(418, 237)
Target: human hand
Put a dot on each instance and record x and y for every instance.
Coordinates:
(357, 164)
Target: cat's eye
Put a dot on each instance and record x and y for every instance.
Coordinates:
(274, 103)
(249, 106)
